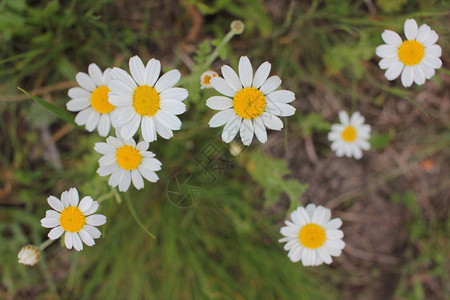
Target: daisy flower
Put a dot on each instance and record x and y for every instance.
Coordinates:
(127, 162)
(416, 58)
(143, 99)
(251, 102)
(73, 217)
(311, 236)
(351, 136)
(91, 100)
(205, 79)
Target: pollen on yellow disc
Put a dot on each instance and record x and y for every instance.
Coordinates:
(249, 103)
(72, 219)
(128, 157)
(146, 100)
(312, 236)
(349, 134)
(411, 52)
(99, 100)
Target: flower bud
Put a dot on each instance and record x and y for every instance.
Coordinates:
(29, 255)
(237, 26)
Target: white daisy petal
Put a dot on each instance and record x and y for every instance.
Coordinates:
(96, 74)
(386, 51)
(433, 50)
(124, 182)
(55, 203)
(96, 220)
(411, 29)
(280, 109)
(432, 62)
(92, 121)
(73, 197)
(137, 69)
(85, 81)
(77, 92)
(220, 85)
(333, 224)
(247, 132)
(104, 125)
(282, 96)
(129, 129)
(394, 70)
(423, 33)
(92, 231)
(219, 102)
(407, 76)
(121, 89)
(231, 128)
(175, 107)
(386, 62)
(431, 39)
(91, 209)
(52, 214)
(168, 119)
(221, 118)
(148, 129)
(78, 104)
(152, 71)
(55, 233)
(271, 121)
(77, 244)
(335, 234)
(231, 78)
(261, 74)
(65, 199)
(260, 130)
(271, 84)
(168, 80)
(245, 71)
(419, 75)
(49, 222)
(162, 130)
(85, 203)
(86, 237)
(392, 38)
(174, 94)
(123, 76)
(68, 240)
(137, 180)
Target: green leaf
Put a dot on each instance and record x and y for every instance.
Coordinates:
(269, 174)
(59, 112)
(380, 141)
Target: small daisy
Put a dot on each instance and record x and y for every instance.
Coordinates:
(205, 79)
(351, 136)
(142, 99)
(91, 100)
(127, 162)
(73, 217)
(416, 58)
(251, 103)
(312, 237)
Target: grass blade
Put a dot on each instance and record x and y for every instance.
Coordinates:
(59, 112)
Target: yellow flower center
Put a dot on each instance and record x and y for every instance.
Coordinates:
(411, 52)
(99, 100)
(349, 134)
(72, 219)
(128, 157)
(312, 236)
(249, 103)
(207, 80)
(146, 100)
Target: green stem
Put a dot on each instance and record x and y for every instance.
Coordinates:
(45, 244)
(216, 51)
(135, 216)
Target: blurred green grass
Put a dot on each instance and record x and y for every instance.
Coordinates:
(225, 247)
